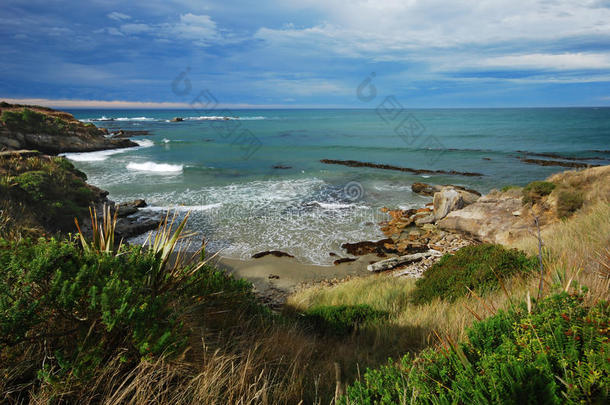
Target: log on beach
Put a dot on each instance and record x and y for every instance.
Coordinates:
(393, 262)
(356, 163)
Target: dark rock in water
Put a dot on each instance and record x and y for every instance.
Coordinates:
(129, 208)
(425, 189)
(126, 228)
(128, 134)
(177, 119)
(332, 254)
(368, 247)
(273, 277)
(542, 162)
(355, 163)
(486, 158)
(344, 260)
(282, 167)
(275, 253)
(557, 156)
(431, 189)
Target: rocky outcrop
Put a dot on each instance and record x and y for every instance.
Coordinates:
(51, 132)
(356, 163)
(380, 247)
(177, 119)
(494, 218)
(449, 199)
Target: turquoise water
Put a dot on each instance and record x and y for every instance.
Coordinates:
(220, 166)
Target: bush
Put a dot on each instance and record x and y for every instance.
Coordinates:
(341, 319)
(557, 354)
(568, 202)
(52, 190)
(476, 267)
(31, 121)
(536, 190)
(65, 311)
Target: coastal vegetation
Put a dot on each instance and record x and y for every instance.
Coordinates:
(42, 193)
(85, 318)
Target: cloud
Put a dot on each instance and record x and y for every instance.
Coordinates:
(115, 15)
(135, 28)
(200, 29)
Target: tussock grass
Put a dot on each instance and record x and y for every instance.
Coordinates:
(577, 249)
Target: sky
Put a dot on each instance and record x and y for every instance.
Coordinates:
(306, 53)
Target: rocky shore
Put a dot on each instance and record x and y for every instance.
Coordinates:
(47, 192)
(51, 132)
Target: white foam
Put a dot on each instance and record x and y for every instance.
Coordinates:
(152, 167)
(183, 208)
(332, 206)
(144, 143)
(425, 176)
(223, 118)
(165, 140)
(92, 156)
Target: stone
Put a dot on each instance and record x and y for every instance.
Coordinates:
(490, 219)
(367, 247)
(425, 189)
(275, 253)
(451, 199)
(393, 262)
(177, 119)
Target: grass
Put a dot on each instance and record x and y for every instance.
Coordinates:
(234, 357)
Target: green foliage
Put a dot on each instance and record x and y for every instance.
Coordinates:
(341, 319)
(557, 354)
(536, 190)
(568, 202)
(509, 187)
(31, 121)
(84, 307)
(476, 267)
(51, 188)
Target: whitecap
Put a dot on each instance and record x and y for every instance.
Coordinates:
(153, 167)
(93, 156)
(144, 143)
(182, 208)
(331, 206)
(425, 176)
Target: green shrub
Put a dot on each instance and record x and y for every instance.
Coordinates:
(31, 121)
(509, 187)
(53, 190)
(568, 202)
(557, 354)
(476, 267)
(341, 319)
(536, 190)
(65, 311)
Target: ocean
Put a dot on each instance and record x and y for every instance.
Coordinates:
(253, 180)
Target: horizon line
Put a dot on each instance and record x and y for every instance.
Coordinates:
(123, 104)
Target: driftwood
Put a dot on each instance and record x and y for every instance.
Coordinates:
(393, 262)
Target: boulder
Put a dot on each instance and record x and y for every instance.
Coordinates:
(490, 219)
(450, 199)
(177, 119)
(425, 189)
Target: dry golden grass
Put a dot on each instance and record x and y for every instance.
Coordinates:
(578, 248)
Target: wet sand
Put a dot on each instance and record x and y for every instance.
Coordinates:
(290, 273)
